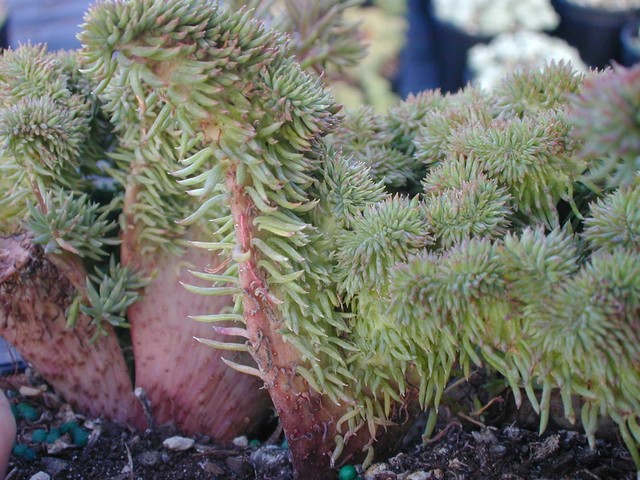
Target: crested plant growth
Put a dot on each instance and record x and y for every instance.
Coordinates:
(358, 261)
(97, 237)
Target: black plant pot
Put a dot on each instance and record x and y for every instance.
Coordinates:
(594, 32)
(451, 45)
(4, 34)
(630, 41)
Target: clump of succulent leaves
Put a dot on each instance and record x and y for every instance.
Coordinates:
(53, 143)
(370, 257)
(90, 181)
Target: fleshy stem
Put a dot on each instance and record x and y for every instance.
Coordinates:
(310, 420)
(35, 295)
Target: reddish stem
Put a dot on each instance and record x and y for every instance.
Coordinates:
(308, 418)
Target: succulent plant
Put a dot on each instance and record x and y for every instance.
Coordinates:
(359, 288)
(605, 121)
(84, 193)
(485, 17)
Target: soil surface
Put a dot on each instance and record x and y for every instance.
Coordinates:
(462, 448)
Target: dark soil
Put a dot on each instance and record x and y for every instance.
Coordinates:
(461, 449)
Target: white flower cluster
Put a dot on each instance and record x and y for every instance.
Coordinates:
(613, 5)
(489, 64)
(491, 17)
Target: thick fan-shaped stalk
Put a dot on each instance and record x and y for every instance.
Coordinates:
(182, 379)
(36, 298)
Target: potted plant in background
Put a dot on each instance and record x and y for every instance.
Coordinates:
(594, 26)
(4, 25)
(460, 24)
(630, 42)
(488, 64)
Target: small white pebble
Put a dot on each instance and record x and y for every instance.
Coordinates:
(40, 476)
(241, 442)
(178, 444)
(437, 474)
(26, 391)
(419, 475)
(456, 464)
(58, 446)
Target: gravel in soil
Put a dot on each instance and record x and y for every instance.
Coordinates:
(460, 450)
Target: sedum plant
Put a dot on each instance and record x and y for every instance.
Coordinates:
(488, 18)
(359, 292)
(368, 258)
(89, 197)
(93, 244)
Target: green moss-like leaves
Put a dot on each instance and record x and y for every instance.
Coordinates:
(433, 136)
(109, 294)
(605, 116)
(615, 221)
(537, 263)
(43, 133)
(603, 298)
(462, 202)
(30, 72)
(530, 157)
(530, 90)
(591, 333)
(383, 235)
(346, 187)
(73, 224)
(365, 136)
(47, 116)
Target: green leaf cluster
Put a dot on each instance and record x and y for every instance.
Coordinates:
(320, 36)
(73, 224)
(109, 294)
(496, 262)
(54, 156)
(46, 119)
(366, 136)
(605, 114)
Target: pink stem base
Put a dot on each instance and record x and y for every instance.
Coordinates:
(186, 382)
(34, 295)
